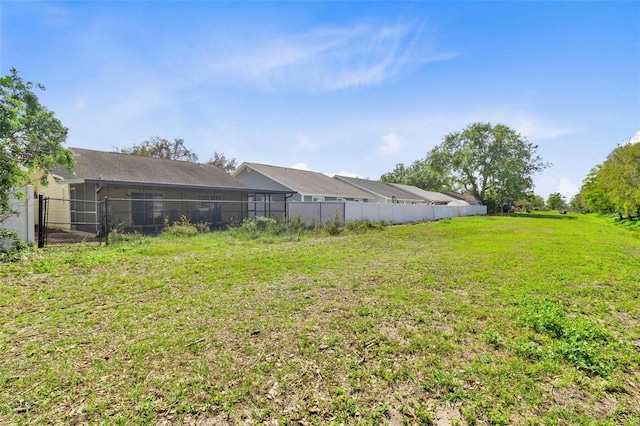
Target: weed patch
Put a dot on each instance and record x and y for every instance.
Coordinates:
(584, 344)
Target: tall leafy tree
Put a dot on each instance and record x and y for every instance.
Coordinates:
(427, 174)
(221, 161)
(397, 175)
(556, 201)
(531, 202)
(31, 137)
(159, 147)
(615, 185)
(490, 162)
(594, 194)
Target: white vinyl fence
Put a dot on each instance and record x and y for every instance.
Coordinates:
(23, 221)
(312, 213)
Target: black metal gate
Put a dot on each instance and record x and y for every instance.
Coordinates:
(69, 221)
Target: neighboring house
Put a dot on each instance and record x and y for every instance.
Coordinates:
(470, 199)
(145, 192)
(302, 185)
(381, 191)
(429, 197)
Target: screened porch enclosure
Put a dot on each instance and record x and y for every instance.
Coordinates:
(147, 209)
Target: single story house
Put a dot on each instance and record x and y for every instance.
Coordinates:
(145, 193)
(429, 197)
(469, 199)
(382, 191)
(301, 185)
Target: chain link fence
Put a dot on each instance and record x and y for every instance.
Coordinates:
(67, 221)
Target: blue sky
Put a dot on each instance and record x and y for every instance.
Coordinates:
(335, 87)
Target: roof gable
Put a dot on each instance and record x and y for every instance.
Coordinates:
(133, 169)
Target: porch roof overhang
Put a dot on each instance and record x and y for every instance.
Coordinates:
(102, 182)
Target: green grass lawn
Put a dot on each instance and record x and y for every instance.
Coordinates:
(525, 319)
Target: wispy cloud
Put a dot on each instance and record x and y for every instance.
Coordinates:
(303, 143)
(391, 145)
(536, 128)
(326, 59)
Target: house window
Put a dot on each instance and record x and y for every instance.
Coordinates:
(317, 199)
(147, 209)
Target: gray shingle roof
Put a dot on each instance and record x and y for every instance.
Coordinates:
(306, 182)
(380, 189)
(465, 197)
(431, 196)
(115, 167)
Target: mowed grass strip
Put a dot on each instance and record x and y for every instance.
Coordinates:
(503, 320)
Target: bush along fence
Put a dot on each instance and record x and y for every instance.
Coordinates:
(67, 220)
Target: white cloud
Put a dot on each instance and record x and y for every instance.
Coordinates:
(548, 184)
(567, 188)
(303, 142)
(635, 139)
(537, 128)
(301, 166)
(390, 146)
(324, 59)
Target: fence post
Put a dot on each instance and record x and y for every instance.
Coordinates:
(105, 214)
(41, 223)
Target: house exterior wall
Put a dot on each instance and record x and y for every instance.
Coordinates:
(52, 189)
(59, 192)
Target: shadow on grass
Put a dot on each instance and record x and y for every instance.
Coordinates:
(629, 224)
(542, 216)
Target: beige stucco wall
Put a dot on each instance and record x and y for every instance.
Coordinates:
(59, 208)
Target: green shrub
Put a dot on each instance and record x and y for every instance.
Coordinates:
(183, 228)
(116, 236)
(295, 225)
(363, 225)
(334, 226)
(258, 227)
(14, 245)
